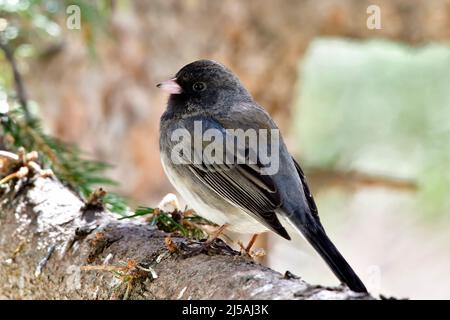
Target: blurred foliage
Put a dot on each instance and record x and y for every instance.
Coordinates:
(28, 28)
(378, 107)
(32, 27)
(66, 161)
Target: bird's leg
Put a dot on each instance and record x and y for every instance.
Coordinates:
(218, 232)
(251, 243)
(208, 245)
(249, 246)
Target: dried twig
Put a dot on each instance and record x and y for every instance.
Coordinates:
(23, 161)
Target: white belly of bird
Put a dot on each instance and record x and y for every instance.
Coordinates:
(238, 220)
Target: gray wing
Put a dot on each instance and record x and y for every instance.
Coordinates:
(242, 185)
(309, 197)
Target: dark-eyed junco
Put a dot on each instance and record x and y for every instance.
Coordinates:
(224, 154)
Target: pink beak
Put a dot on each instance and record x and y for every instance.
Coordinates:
(171, 86)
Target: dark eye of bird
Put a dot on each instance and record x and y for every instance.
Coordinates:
(199, 86)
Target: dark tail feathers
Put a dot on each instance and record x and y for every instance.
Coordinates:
(323, 245)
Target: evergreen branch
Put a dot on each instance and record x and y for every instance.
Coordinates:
(21, 129)
(184, 222)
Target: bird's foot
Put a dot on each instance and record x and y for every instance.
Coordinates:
(244, 251)
(248, 252)
(211, 246)
(214, 246)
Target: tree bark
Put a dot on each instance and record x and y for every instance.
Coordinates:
(54, 246)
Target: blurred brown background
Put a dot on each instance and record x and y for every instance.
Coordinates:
(96, 88)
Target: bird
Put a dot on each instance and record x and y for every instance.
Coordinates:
(241, 194)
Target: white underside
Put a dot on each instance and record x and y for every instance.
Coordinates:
(238, 220)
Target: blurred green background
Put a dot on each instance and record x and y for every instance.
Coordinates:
(367, 112)
(381, 108)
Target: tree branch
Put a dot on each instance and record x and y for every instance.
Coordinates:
(52, 247)
(353, 179)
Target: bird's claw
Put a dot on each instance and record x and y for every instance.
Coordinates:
(215, 246)
(253, 254)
